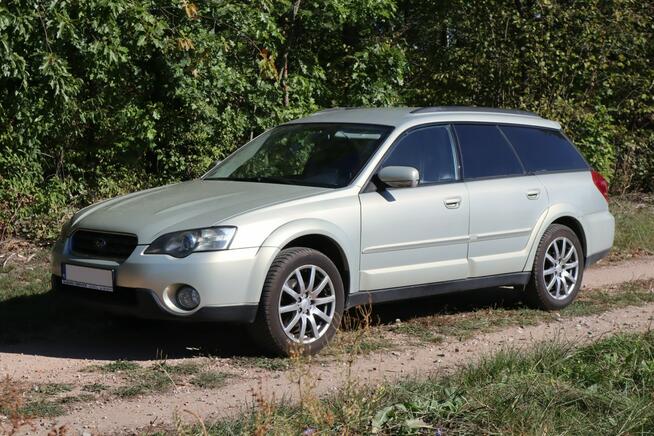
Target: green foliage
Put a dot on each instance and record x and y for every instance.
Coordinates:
(587, 64)
(103, 97)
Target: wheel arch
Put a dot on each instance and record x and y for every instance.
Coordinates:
(325, 237)
(574, 225)
(563, 214)
(329, 248)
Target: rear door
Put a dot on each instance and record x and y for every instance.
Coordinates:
(506, 204)
(418, 235)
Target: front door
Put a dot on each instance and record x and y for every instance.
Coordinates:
(419, 235)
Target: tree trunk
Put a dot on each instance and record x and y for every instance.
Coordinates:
(289, 42)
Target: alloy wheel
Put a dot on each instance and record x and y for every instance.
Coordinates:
(307, 304)
(561, 268)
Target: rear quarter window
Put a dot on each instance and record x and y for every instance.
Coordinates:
(543, 150)
(485, 152)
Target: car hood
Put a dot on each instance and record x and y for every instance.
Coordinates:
(188, 205)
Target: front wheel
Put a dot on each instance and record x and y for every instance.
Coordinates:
(301, 303)
(558, 269)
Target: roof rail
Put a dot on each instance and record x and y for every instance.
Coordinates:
(431, 109)
(333, 109)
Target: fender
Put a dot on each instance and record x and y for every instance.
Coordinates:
(553, 213)
(284, 234)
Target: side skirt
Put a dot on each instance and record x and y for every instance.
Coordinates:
(431, 289)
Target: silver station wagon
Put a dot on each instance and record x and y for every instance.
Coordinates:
(348, 207)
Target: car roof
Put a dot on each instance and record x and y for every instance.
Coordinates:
(411, 116)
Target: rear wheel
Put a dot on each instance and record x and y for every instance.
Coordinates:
(301, 303)
(558, 269)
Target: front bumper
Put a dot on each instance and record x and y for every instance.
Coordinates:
(144, 303)
(229, 282)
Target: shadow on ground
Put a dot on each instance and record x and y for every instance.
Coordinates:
(47, 325)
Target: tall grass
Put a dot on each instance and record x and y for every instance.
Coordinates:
(554, 388)
(634, 229)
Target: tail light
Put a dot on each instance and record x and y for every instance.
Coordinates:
(601, 183)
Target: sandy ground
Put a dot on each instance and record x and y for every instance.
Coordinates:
(39, 364)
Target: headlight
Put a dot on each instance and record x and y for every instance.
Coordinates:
(181, 244)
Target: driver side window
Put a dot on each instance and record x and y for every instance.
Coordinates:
(430, 150)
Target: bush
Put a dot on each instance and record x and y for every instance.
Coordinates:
(102, 97)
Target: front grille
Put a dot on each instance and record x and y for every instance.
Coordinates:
(103, 245)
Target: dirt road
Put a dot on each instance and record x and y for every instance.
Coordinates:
(36, 363)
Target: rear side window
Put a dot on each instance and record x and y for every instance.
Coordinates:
(544, 150)
(430, 150)
(485, 152)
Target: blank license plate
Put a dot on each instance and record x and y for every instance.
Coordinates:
(91, 278)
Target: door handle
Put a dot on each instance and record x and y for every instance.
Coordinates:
(533, 194)
(452, 203)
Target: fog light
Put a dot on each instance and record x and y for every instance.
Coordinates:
(188, 298)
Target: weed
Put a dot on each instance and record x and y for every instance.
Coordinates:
(12, 404)
(357, 335)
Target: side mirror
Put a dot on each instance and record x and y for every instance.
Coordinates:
(399, 177)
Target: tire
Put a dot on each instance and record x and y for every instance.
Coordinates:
(556, 273)
(283, 289)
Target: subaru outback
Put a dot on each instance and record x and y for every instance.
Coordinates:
(348, 207)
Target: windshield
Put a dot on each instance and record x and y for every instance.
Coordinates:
(327, 155)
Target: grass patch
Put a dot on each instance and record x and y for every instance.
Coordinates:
(141, 381)
(159, 377)
(604, 388)
(117, 366)
(358, 342)
(209, 379)
(357, 335)
(636, 293)
(21, 402)
(183, 368)
(43, 409)
(463, 325)
(95, 388)
(634, 229)
(268, 363)
(53, 388)
(80, 398)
